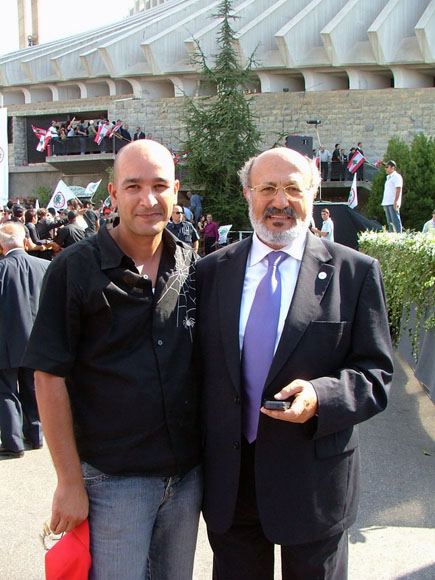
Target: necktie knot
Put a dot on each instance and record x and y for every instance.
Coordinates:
(276, 258)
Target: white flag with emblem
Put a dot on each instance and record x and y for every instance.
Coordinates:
(353, 196)
(60, 197)
(92, 187)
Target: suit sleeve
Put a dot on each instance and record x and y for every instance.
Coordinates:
(359, 389)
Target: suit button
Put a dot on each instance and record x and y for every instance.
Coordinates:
(236, 445)
(160, 342)
(237, 400)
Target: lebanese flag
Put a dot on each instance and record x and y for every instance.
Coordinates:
(101, 133)
(352, 200)
(43, 136)
(356, 161)
(114, 130)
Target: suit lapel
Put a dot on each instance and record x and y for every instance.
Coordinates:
(230, 275)
(314, 277)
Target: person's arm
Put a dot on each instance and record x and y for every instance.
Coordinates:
(70, 502)
(195, 245)
(396, 199)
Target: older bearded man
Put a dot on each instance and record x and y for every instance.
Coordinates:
(296, 352)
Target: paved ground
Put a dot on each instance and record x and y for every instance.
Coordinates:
(394, 537)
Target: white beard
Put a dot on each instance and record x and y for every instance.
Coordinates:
(280, 238)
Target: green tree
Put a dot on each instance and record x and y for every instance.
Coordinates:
(419, 183)
(416, 164)
(221, 133)
(43, 194)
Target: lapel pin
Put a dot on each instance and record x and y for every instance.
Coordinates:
(322, 275)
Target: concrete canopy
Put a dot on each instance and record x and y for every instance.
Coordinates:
(317, 45)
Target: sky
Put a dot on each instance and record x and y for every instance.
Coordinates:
(61, 18)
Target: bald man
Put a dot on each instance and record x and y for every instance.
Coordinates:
(117, 396)
(299, 355)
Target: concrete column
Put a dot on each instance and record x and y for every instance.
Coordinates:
(22, 36)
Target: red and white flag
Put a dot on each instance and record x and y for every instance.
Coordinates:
(114, 130)
(44, 137)
(352, 200)
(356, 161)
(101, 133)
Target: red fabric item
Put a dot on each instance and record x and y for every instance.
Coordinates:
(70, 558)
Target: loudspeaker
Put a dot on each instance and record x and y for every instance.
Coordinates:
(301, 143)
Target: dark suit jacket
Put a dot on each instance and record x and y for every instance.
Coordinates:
(20, 283)
(336, 336)
(140, 135)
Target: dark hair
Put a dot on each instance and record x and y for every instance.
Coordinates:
(29, 215)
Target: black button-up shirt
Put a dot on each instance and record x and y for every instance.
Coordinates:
(125, 353)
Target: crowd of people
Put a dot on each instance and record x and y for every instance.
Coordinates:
(333, 166)
(91, 134)
(283, 338)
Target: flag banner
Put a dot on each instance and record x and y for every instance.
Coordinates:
(101, 133)
(4, 164)
(353, 195)
(60, 197)
(356, 161)
(114, 130)
(44, 137)
(36, 204)
(223, 233)
(107, 202)
(91, 188)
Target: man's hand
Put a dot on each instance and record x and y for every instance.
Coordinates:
(303, 407)
(70, 507)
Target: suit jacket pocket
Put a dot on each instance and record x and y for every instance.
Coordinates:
(337, 443)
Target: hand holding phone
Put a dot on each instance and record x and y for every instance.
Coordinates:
(278, 405)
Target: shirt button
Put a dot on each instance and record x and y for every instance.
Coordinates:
(160, 342)
(236, 445)
(237, 400)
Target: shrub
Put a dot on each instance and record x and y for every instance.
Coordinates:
(408, 268)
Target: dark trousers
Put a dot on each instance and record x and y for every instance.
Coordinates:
(324, 168)
(210, 245)
(18, 409)
(244, 553)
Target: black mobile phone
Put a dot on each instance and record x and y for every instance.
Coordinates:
(277, 405)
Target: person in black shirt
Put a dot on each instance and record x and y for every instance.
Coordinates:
(71, 233)
(91, 218)
(112, 345)
(183, 229)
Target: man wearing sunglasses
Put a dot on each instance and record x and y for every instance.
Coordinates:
(300, 354)
(183, 229)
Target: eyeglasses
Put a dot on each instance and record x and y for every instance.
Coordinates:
(178, 212)
(268, 191)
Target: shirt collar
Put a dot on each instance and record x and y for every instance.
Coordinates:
(111, 254)
(259, 250)
(15, 250)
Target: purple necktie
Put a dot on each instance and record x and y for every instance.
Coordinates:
(259, 342)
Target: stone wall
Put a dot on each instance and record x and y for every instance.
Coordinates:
(370, 116)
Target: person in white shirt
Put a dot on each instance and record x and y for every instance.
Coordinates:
(327, 230)
(392, 199)
(430, 225)
(325, 157)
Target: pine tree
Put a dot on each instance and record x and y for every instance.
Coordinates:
(221, 133)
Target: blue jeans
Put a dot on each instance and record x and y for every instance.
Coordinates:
(142, 527)
(393, 219)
